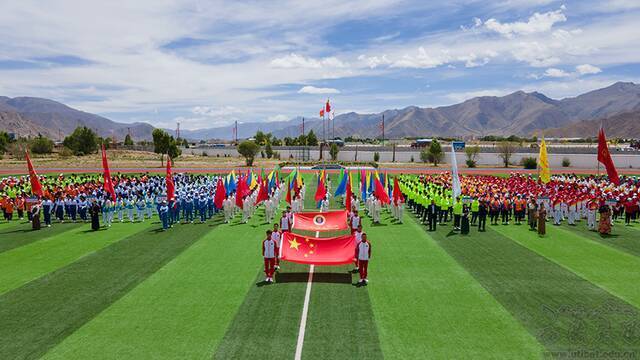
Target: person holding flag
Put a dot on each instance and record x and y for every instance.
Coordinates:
(270, 250)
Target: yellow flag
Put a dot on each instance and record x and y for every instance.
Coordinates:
(543, 163)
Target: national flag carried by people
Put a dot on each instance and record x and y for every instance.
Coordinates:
(320, 221)
(318, 251)
(543, 163)
(220, 194)
(108, 185)
(605, 157)
(397, 194)
(36, 187)
(380, 191)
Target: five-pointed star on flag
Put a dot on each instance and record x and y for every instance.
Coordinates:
(293, 244)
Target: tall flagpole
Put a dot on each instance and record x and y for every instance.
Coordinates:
(382, 129)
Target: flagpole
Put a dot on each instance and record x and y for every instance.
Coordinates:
(382, 129)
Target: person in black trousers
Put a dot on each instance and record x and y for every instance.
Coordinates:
(482, 216)
(433, 211)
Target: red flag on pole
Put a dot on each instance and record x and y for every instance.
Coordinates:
(36, 187)
(288, 198)
(108, 185)
(220, 194)
(380, 192)
(348, 195)
(242, 190)
(397, 194)
(322, 113)
(263, 194)
(320, 221)
(321, 191)
(605, 157)
(171, 186)
(327, 107)
(319, 251)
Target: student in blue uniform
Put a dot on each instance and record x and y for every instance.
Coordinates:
(47, 207)
(164, 215)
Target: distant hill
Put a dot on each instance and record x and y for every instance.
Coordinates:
(29, 116)
(519, 113)
(625, 125)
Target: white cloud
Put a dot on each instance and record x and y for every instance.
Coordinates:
(317, 90)
(556, 73)
(298, 61)
(279, 117)
(373, 62)
(537, 23)
(423, 60)
(586, 69)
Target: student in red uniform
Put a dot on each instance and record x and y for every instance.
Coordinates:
(355, 221)
(269, 251)
(284, 222)
(363, 256)
(276, 236)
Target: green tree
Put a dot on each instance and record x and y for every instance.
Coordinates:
(268, 150)
(173, 150)
(376, 156)
(161, 143)
(4, 141)
(82, 141)
(289, 141)
(333, 151)
(248, 149)
(312, 140)
(260, 137)
(472, 154)
(41, 145)
(505, 151)
(128, 141)
(276, 142)
(435, 153)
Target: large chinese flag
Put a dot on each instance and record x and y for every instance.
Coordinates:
(605, 158)
(320, 221)
(108, 184)
(36, 187)
(309, 250)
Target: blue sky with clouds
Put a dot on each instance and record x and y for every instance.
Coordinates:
(209, 63)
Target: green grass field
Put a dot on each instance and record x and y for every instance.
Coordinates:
(195, 292)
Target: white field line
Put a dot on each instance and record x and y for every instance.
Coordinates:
(305, 311)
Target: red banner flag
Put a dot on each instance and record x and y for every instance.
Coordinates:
(327, 107)
(379, 191)
(318, 251)
(36, 187)
(171, 186)
(348, 195)
(242, 190)
(263, 193)
(321, 191)
(397, 194)
(288, 198)
(221, 192)
(108, 185)
(321, 221)
(605, 158)
(322, 113)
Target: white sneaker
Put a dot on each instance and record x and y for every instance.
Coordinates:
(366, 281)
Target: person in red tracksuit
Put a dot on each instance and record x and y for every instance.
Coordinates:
(269, 252)
(363, 256)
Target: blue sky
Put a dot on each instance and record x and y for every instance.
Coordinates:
(209, 63)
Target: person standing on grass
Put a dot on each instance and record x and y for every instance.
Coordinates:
(284, 222)
(457, 213)
(532, 214)
(363, 256)
(432, 215)
(542, 218)
(355, 221)
(47, 207)
(276, 236)
(163, 211)
(482, 216)
(35, 216)
(94, 210)
(358, 238)
(269, 251)
(475, 206)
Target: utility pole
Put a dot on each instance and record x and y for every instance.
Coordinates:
(235, 132)
(382, 125)
(177, 130)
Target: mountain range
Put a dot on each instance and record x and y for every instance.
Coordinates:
(519, 113)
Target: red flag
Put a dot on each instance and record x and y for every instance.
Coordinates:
(325, 251)
(379, 191)
(36, 187)
(397, 194)
(108, 185)
(242, 190)
(321, 191)
(220, 194)
(327, 107)
(288, 198)
(347, 200)
(320, 221)
(605, 158)
(263, 194)
(171, 186)
(322, 112)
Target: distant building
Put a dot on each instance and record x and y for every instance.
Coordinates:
(420, 143)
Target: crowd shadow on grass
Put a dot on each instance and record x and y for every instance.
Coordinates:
(303, 277)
